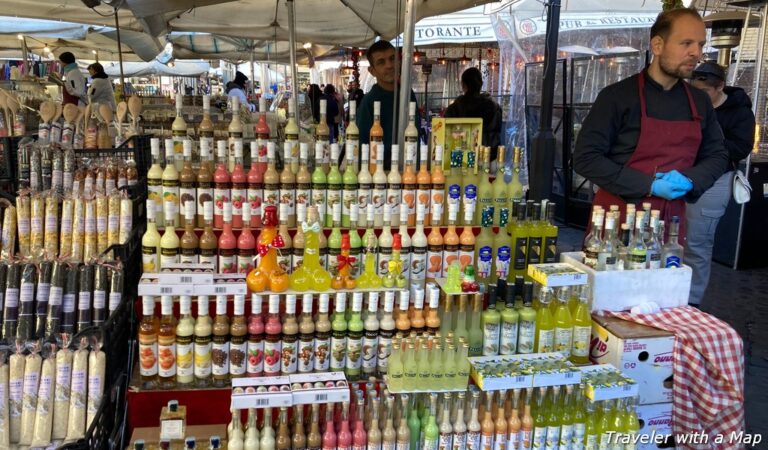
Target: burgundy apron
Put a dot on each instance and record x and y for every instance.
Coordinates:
(663, 145)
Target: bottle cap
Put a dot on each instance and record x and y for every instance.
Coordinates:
(202, 305)
(322, 303)
(290, 304)
(206, 101)
(263, 104)
(227, 211)
(238, 148)
(235, 105)
(287, 149)
(185, 304)
(395, 155)
(354, 212)
(151, 210)
(365, 151)
(270, 216)
(170, 209)
(319, 150)
(274, 304)
(189, 210)
(246, 212)
(341, 302)
(154, 145)
(306, 304)
(221, 305)
(205, 148)
(239, 305)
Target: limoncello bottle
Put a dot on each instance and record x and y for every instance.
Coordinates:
(582, 328)
(515, 187)
(437, 378)
(566, 418)
(484, 247)
(563, 324)
(484, 186)
(423, 367)
(591, 426)
(499, 187)
(554, 420)
(491, 321)
(369, 278)
(617, 424)
(631, 422)
(395, 367)
(510, 320)
(549, 240)
(449, 366)
(311, 275)
(545, 324)
(579, 418)
(519, 242)
(526, 337)
(453, 187)
(604, 427)
(540, 422)
(410, 372)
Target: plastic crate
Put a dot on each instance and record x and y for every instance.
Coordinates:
(8, 147)
(137, 148)
(130, 255)
(107, 431)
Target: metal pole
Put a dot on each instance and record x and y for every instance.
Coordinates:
(543, 154)
(405, 71)
(253, 76)
(120, 56)
(292, 45)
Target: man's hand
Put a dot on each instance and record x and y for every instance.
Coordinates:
(677, 178)
(668, 190)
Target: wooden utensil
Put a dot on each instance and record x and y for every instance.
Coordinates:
(47, 111)
(134, 106)
(122, 111)
(59, 111)
(106, 113)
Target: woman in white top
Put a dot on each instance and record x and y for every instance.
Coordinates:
(236, 88)
(101, 90)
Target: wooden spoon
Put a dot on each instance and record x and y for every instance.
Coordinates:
(134, 106)
(59, 112)
(47, 111)
(71, 113)
(122, 111)
(106, 113)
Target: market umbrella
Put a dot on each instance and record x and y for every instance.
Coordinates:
(578, 49)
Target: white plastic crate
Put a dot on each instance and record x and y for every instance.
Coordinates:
(620, 290)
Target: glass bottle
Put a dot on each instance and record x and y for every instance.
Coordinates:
(339, 334)
(299, 439)
(273, 342)
(322, 135)
(350, 186)
(155, 181)
(431, 430)
(251, 432)
(540, 421)
(255, 366)
(545, 323)
(491, 320)
(414, 424)
(484, 248)
(319, 183)
(370, 347)
(386, 333)
(283, 438)
(314, 438)
(227, 243)
(187, 179)
(582, 328)
(606, 256)
(306, 350)
(239, 187)
(288, 188)
(179, 129)
(344, 437)
(221, 185)
(364, 183)
(419, 243)
(359, 435)
(652, 243)
(355, 329)
(185, 331)
(593, 242)
(475, 336)
(672, 252)
(208, 241)
(169, 243)
(406, 247)
(638, 252)
(204, 181)
(553, 421)
(395, 195)
(150, 242)
(379, 193)
(203, 330)
(166, 345)
(148, 344)
(323, 328)
(220, 348)
(246, 243)
(527, 336)
(510, 319)
(437, 193)
(171, 182)
(267, 441)
(424, 186)
(388, 434)
(473, 426)
(514, 424)
(235, 132)
(189, 241)
(303, 196)
(515, 187)
(238, 346)
(563, 338)
(376, 136)
(329, 436)
(271, 196)
(403, 431)
(206, 128)
(291, 129)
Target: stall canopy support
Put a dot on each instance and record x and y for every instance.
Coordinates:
(405, 71)
(292, 44)
(120, 56)
(543, 152)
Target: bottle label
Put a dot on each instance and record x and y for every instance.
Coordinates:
(451, 254)
(204, 194)
(227, 260)
(188, 256)
(297, 258)
(637, 260)
(418, 263)
(470, 197)
(577, 436)
(208, 256)
(513, 440)
(521, 256)
(672, 261)
(606, 260)
(446, 441)
(553, 438)
(284, 259)
(202, 356)
(394, 194)
(255, 356)
(355, 350)
(148, 358)
(306, 356)
(238, 198)
(184, 356)
(566, 436)
(563, 340)
(487, 442)
(149, 259)
(371, 446)
(503, 255)
(430, 444)
(318, 199)
(220, 196)
(349, 197)
(550, 249)
(454, 195)
(220, 355)
(605, 441)
(508, 338)
(237, 351)
(434, 261)
(363, 198)
(379, 197)
(591, 442)
(385, 256)
(654, 260)
(526, 437)
(539, 437)
(171, 191)
(406, 258)
(271, 195)
(459, 441)
(581, 338)
(254, 200)
(338, 351)
(370, 348)
(168, 256)
(526, 336)
(409, 199)
(287, 199)
(546, 341)
(590, 257)
(466, 256)
(272, 353)
(422, 196)
(484, 262)
(383, 350)
(473, 440)
(500, 442)
(534, 249)
(244, 261)
(403, 445)
(322, 350)
(289, 352)
(166, 353)
(491, 339)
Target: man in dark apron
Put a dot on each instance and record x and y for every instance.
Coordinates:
(652, 137)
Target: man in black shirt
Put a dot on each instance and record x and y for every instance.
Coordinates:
(651, 137)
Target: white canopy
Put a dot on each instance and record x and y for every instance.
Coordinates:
(138, 69)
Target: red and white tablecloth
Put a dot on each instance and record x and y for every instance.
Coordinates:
(708, 392)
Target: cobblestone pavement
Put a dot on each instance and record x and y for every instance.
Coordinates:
(739, 297)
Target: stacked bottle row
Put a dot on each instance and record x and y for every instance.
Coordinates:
(640, 245)
(210, 351)
(556, 320)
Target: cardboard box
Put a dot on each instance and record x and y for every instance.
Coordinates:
(639, 352)
(202, 434)
(556, 275)
(620, 290)
(459, 132)
(655, 425)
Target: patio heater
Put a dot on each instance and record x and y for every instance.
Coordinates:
(726, 29)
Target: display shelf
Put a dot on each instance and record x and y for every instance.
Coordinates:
(327, 230)
(441, 282)
(421, 391)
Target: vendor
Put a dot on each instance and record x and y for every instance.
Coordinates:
(73, 91)
(652, 137)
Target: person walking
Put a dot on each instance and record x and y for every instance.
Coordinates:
(101, 90)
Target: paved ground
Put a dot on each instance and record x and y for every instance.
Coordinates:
(741, 299)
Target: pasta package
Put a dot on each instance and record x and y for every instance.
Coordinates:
(113, 219)
(36, 219)
(102, 224)
(61, 399)
(51, 243)
(78, 396)
(90, 250)
(97, 363)
(100, 287)
(84, 297)
(11, 310)
(42, 297)
(115, 288)
(126, 219)
(65, 235)
(26, 320)
(41, 433)
(71, 288)
(55, 298)
(31, 387)
(9, 233)
(15, 393)
(78, 229)
(22, 222)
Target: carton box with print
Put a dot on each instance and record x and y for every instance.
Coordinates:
(455, 133)
(655, 425)
(639, 352)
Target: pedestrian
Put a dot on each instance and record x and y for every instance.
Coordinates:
(733, 108)
(236, 88)
(101, 90)
(73, 91)
(332, 111)
(473, 103)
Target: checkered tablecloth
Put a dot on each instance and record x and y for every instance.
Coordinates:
(708, 392)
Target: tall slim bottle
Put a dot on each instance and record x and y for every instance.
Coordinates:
(150, 242)
(179, 130)
(435, 248)
(204, 182)
(239, 186)
(169, 244)
(355, 339)
(291, 130)
(322, 136)
(203, 330)
(563, 324)
(545, 323)
(339, 334)
(234, 132)
(155, 181)
(206, 128)
(352, 138)
(335, 184)
(166, 344)
(171, 182)
(474, 427)
(187, 179)
(148, 352)
(365, 184)
(410, 183)
(475, 328)
(395, 187)
(376, 137)
(484, 248)
(499, 187)
(288, 188)
(510, 319)
(467, 242)
(484, 186)
(526, 338)
(469, 182)
(491, 320)
(319, 183)
(419, 242)
(459, 436)
(515, 187)
(322, 335)
(379, 194)
(221, 185)
(519, 241)
(350, 186)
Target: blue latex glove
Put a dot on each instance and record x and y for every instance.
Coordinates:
(667, 189)
(678, 178)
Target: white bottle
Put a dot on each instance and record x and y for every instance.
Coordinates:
(379, 189)
(419, 255)
(394, 189)
(385, 242)
(405, 243)
(252, 432)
